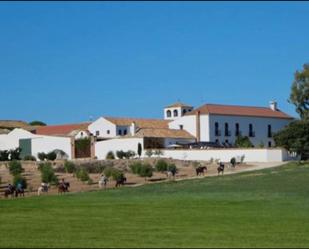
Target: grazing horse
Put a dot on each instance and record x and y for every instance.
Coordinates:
(121, 181)
(221, 168)
(63, 187)
(200, 170)
(43, 188)
(9, 191)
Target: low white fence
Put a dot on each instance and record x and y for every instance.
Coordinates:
(225, 155)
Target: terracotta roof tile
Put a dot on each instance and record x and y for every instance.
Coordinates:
(61, 129)
(140, 122)
(234, 110)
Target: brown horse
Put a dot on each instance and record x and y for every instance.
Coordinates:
(63, 187)
(220, 168)
(121, 181)
(200, 170)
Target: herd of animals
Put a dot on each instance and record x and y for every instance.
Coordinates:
(63, 186)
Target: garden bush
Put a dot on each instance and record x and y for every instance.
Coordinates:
(69, 167)
(161, 165)
(15, 168)
(48, 173)
(51, 156)
(233, 161)
(146, 170)
(116, 174)
(110, 155)
(42, 156)
(136, 167)
(4, 155)
(82, 175)
(172, 168)
(149, 153)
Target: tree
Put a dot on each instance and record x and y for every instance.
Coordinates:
(243, 142)
(15, 154)
(15, 168)
(42, 156)
(37, 123)
(139, 149)
(295, 138)
(300, 92)
(48, 173)
(110, 155)
(51, 156)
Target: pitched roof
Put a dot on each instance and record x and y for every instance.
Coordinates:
(140, 122)
(178, 104)
(234, 110)
(163, 133)
(61, 129)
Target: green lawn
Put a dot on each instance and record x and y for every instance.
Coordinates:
(267, 208)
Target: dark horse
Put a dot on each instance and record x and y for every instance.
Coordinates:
(221, 168)
(19, 191)
(200, 170)
(63, 187)
(121, 181)
(9, 191)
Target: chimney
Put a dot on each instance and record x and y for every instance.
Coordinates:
(198, 124)
(133, 128)
(273, 105)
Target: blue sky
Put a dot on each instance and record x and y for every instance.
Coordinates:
(64, 62)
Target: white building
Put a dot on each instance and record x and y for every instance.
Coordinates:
(32, 144)
(223, 123)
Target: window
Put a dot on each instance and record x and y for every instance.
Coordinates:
(108, 132)
(237, 132)
(269, 133)
(181, 127)
(269, 143)
(125, 132)
(217, 131)
(175, 113)
(251, 132)
(97, 133)
(119, 132)
(82, 134)
(227, 141)
(217, 141)
(168, 113)
(226, 130)
(184, 112)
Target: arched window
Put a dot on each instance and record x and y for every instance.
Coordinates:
(237, 132)
(184, 111)
(175, 113)
(226, 129)
(217, 132)
(168, 113)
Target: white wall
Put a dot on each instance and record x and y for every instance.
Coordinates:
(103, 125)
(225, 155)
(47, 144)
(125, 144)
(11, 140)
(188, 122)
(259, 127)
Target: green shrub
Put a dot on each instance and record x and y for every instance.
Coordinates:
(110, 155)
(4, 155)
(15, 154)
(158, 153)
(129, 154)
(15, 168)
(135, 167)
(146, 170)
(149, 153)
(82, 175)
(243, 142)
(29, 158)
(69, 167)
(48, 173)
(120, 154)
(19, 179)
(261, 144)
(116, 174)
(161, 165)
(51, 156)
(42, 156)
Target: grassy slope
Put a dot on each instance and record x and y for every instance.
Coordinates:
(268, 208)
